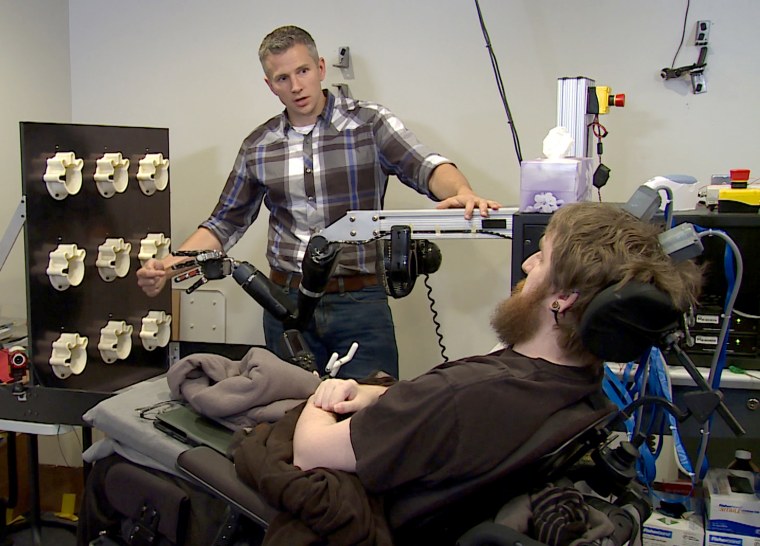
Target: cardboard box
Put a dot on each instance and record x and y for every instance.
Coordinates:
(547, 184)
(661, 530)
(726, 539)
(731, 506)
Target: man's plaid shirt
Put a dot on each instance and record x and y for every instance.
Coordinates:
(309, 181)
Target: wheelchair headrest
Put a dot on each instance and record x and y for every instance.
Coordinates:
(621, 323)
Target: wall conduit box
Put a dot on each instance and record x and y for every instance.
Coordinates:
(702, 34)
(203, 316)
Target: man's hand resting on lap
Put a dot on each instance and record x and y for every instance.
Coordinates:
(345, 395)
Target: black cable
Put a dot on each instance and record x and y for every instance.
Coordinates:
(683, 34)
(435, 318)
(664, 403)
(66, 462)
(499, 84)
(420, 234)
(495, 234)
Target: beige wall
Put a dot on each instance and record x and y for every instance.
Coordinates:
(36, 86)
(191, 66)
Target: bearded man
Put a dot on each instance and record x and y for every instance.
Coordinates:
(462, 418)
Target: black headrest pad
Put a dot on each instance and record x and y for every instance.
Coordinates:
(620, 324)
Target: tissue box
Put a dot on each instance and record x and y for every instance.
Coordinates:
(731, 506)
(547, 184)
(662, 530)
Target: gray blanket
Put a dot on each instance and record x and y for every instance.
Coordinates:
(131, 436)
(257, 389)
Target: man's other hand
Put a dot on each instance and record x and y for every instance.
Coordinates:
(469, 202)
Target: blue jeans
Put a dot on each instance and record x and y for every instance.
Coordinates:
(340, 319)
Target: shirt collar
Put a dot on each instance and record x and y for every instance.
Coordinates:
(323, 118)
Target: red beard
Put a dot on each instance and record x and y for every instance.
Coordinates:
(518, 318)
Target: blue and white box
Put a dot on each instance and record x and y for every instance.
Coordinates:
(731, 505)
(726, 539)
(662, 530)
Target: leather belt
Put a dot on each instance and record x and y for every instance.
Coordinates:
(350, 283)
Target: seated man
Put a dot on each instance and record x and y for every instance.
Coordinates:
(461, 418)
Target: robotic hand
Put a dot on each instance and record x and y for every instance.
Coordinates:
(209, 264)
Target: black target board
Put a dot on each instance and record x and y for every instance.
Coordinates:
(89, 322)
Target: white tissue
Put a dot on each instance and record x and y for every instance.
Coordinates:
(545, 202)
(557, 143)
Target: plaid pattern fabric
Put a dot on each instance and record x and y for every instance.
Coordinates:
(309, 181)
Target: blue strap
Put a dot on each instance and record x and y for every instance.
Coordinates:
(660, 374)
(619, 394)
(614, 390)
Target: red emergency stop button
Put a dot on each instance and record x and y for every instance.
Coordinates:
(617, 100)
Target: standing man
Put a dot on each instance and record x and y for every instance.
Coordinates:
(320, 158)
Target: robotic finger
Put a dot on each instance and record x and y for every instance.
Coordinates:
(335, 363)
(209, 264)
(188, 274)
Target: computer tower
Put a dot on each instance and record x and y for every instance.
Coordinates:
(527, 230)
(742, 347)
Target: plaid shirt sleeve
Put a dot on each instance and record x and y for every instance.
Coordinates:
(239, 203)
(402, 154)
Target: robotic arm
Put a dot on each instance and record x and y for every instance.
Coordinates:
(407, 250)
(318, 265)
(405, 256)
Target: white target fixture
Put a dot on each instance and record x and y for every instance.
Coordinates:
(115, 341)
(66, 266)
(154, 245)
(69, 355)
(111, 174)
(156, 330)
(113, 259)
(63, 176)
(153, 174)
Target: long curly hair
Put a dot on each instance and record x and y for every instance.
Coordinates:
(596, 245)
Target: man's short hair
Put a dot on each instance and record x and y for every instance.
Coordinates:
(283, 38)
(596, 245)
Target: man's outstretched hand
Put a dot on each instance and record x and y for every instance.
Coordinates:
(152, 277)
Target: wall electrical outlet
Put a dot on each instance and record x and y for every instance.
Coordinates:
(344, 57)
(702, 35)
(698, 82)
